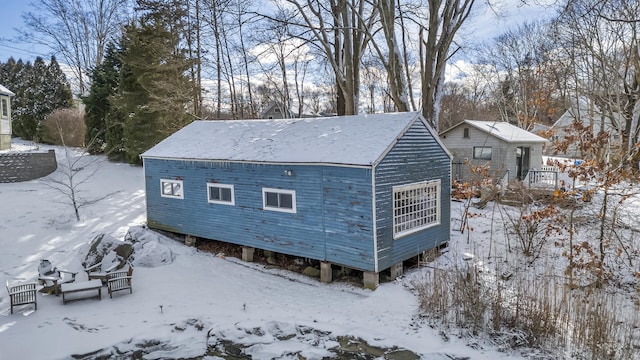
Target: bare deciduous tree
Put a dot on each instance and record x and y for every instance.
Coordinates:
(445, 17)
(77, 30)
(338, 28)
(75, 168)
(520, 66)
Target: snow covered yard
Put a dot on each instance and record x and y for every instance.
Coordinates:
(179, 306)
(519, 275)
(186, 302)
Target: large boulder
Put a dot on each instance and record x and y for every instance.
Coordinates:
(149, 249)
(106, 245)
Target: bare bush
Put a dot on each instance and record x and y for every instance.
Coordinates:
(533, 225)
(64, 127)
(532, 311)
(461, 289)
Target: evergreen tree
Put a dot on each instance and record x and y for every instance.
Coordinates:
(56, 87)
(25, 125)
(9, 77)
(104, 126)
(155, 89)
(40, 89)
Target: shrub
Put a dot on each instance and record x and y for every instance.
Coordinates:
(538, 312)
(64, 127)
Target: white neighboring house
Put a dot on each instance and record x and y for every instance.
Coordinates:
(591, 116)
(509, 150)
(5, 117)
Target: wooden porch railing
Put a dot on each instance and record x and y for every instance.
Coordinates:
(542, 178)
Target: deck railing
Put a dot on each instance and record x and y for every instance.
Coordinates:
(542, 178)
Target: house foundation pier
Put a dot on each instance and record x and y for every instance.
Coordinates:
(370, 280)
(247, 253)
(396, 270)
(326, 275)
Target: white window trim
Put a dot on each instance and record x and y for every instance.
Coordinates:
(293, 209)
(222, 186)
(4, 105)
(490, 148)
(407, 187)
(178, 182)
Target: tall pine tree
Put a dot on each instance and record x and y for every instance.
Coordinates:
(104, 122)
(155, 90)
(40, 89)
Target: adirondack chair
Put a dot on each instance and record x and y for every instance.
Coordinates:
(120, 280)
(110, 262)
(22, 294)
(51, 277)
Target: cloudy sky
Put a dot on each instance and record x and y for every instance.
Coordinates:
(486, 23)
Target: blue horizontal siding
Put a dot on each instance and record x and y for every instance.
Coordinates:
(416, 157)
(348, 217)
(333, 221)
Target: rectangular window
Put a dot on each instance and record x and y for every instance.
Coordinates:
(279, 200)
(221, 194)
(171, 188)
(465, 133)
(5, 108)
(415, 207)
(482, 152)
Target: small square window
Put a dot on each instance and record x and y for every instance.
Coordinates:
(171, 188)
(279, 200)
(482, 152)
(221, 194)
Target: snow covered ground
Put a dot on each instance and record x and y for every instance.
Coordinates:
(184, 300)
(181, 305)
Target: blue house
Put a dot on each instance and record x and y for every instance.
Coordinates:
(365, 192)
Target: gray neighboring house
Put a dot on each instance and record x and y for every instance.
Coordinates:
(505, 147)
(5, 117)
(593, 118)
(276, 110)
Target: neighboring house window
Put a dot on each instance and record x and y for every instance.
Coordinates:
(482, 152)
(415, 207)
(171, 188)
(465, 133)
(221, 194)
(279, 200)
(5, 108)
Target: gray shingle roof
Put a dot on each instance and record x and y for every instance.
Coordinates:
(355, 140)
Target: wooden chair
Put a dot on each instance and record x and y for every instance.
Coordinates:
(109, 263)
(51, 277)
(23, 294)
(119, 280)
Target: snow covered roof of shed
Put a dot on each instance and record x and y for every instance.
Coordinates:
(353, 140)
(5, 91)
(503, 131)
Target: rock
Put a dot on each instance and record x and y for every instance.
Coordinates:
(311, 272)
(103, 244)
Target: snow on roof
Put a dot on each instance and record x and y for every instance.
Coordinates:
(505, 131)
(353, 140)
(589, 115)
(5, 91)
